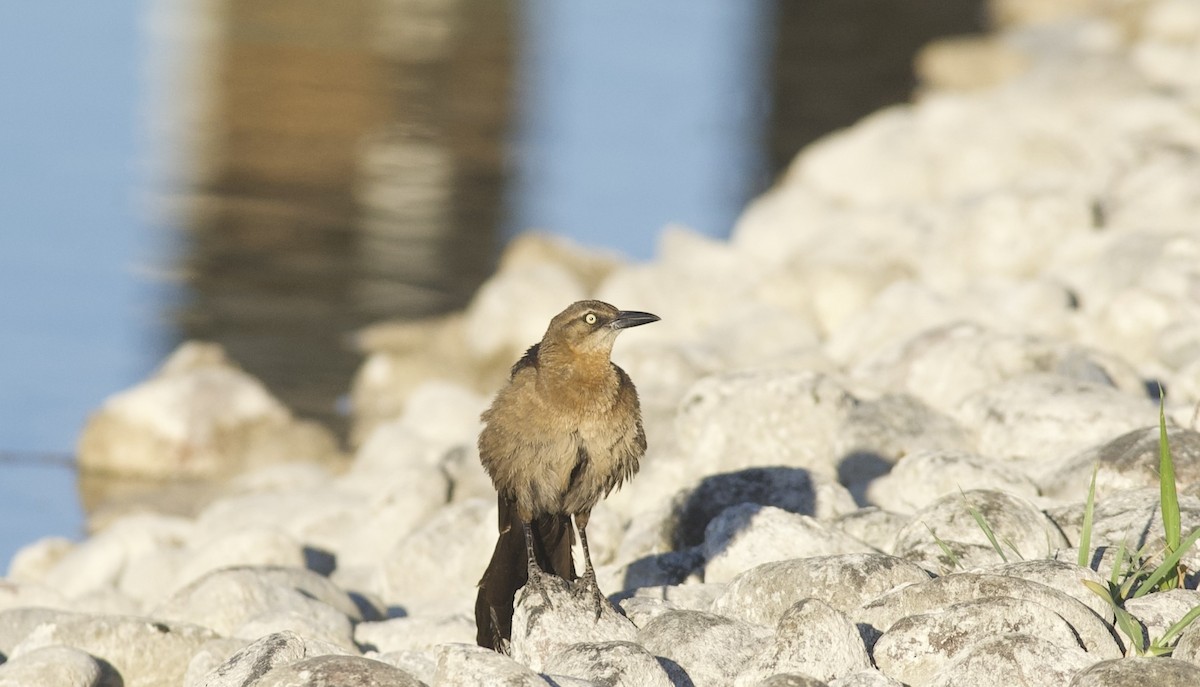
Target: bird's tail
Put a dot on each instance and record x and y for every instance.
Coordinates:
(507, 571)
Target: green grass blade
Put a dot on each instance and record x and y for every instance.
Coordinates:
(1178, 627)
(954, 562)
(983, 525)
(1118, 564)
(1169, 499)
(1085, 538)
(1125, 621)
(1169, 566)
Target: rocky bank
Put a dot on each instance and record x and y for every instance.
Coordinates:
(955, 307)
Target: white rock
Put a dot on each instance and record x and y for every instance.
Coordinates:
(865, 678)
(337, 670)
(879, 615)
(29, 595)
(1137, 670)
(200, 416)
(1013, 657)
(615, 663)
(812, 638)
(543, 625)
(440, 563)
(33, 561)
(749, 535)
(467, 664)
(791, 489)
(762, 595)
(1127, 462)
(252, 546)
(496, 328)
(143, 651)
(918, 647)
(1037, 422)
(231, 600)
(419, 634)
(52, 666)
(249, 664)
(1159, 611)
(710, 649)
(925, 476)
(1167, 52)
(763, 418)
(1015, 522)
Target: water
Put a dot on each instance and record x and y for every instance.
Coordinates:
(275, 175)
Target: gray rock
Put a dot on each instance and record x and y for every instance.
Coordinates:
(543, 625)
(229, 600)
(749, 535)
(791, 489)
(1013, 520)
(1139, 672)
(55, 666)
(873, 526)
(145, 652)
(1127, 462)
(925, 476)
(199, 416)
(762, 595)
(813, 639)
(1008, 659)
(337, 671)
(420, 665)
(249, 665)
(878, 616)
(1188, 647)
(763, 418)
(414, 633)
(209, 656)
(467, 664)
(877, 433)
(1159, 611)
(612, 664)
(865, 678)
(1063, 576)
(1132, 517)
(791, 680)
(920, 646)
(1039, 421)
(439, 564)
(710, 649)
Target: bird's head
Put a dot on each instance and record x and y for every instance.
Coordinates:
(592, 326)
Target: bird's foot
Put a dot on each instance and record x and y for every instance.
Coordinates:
(588, 585)
(537, 581)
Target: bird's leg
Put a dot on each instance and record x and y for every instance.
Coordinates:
(589, 573)
(535, 576)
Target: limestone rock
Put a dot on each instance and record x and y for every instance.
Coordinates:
(1129, 461)
(812, 638)
(1013, 658)
(545, 625)
(763, 594)
(880, 615)
(748, 535)
(1013, 520)
(751, 419)
(790, 489)
(614, 663)
(326, 671)
(199, 416)
(467, 664)
(252, 663)
(144, 652)
(926, 476)
(710, 649)
(920, 646)
(55, 666)
(1037, 422)
(414, 633)
(1135, 671)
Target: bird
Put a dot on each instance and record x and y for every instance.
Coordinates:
(561, 434)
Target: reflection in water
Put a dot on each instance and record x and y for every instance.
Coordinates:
(356, 166)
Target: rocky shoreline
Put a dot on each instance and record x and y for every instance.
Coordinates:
(947, 314)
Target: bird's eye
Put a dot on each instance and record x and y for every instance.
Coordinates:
(590, 318)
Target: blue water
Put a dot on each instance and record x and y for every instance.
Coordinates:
(80, 317)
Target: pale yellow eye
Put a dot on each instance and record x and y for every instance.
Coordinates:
(590, 318)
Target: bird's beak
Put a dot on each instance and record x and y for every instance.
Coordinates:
(632, 318)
